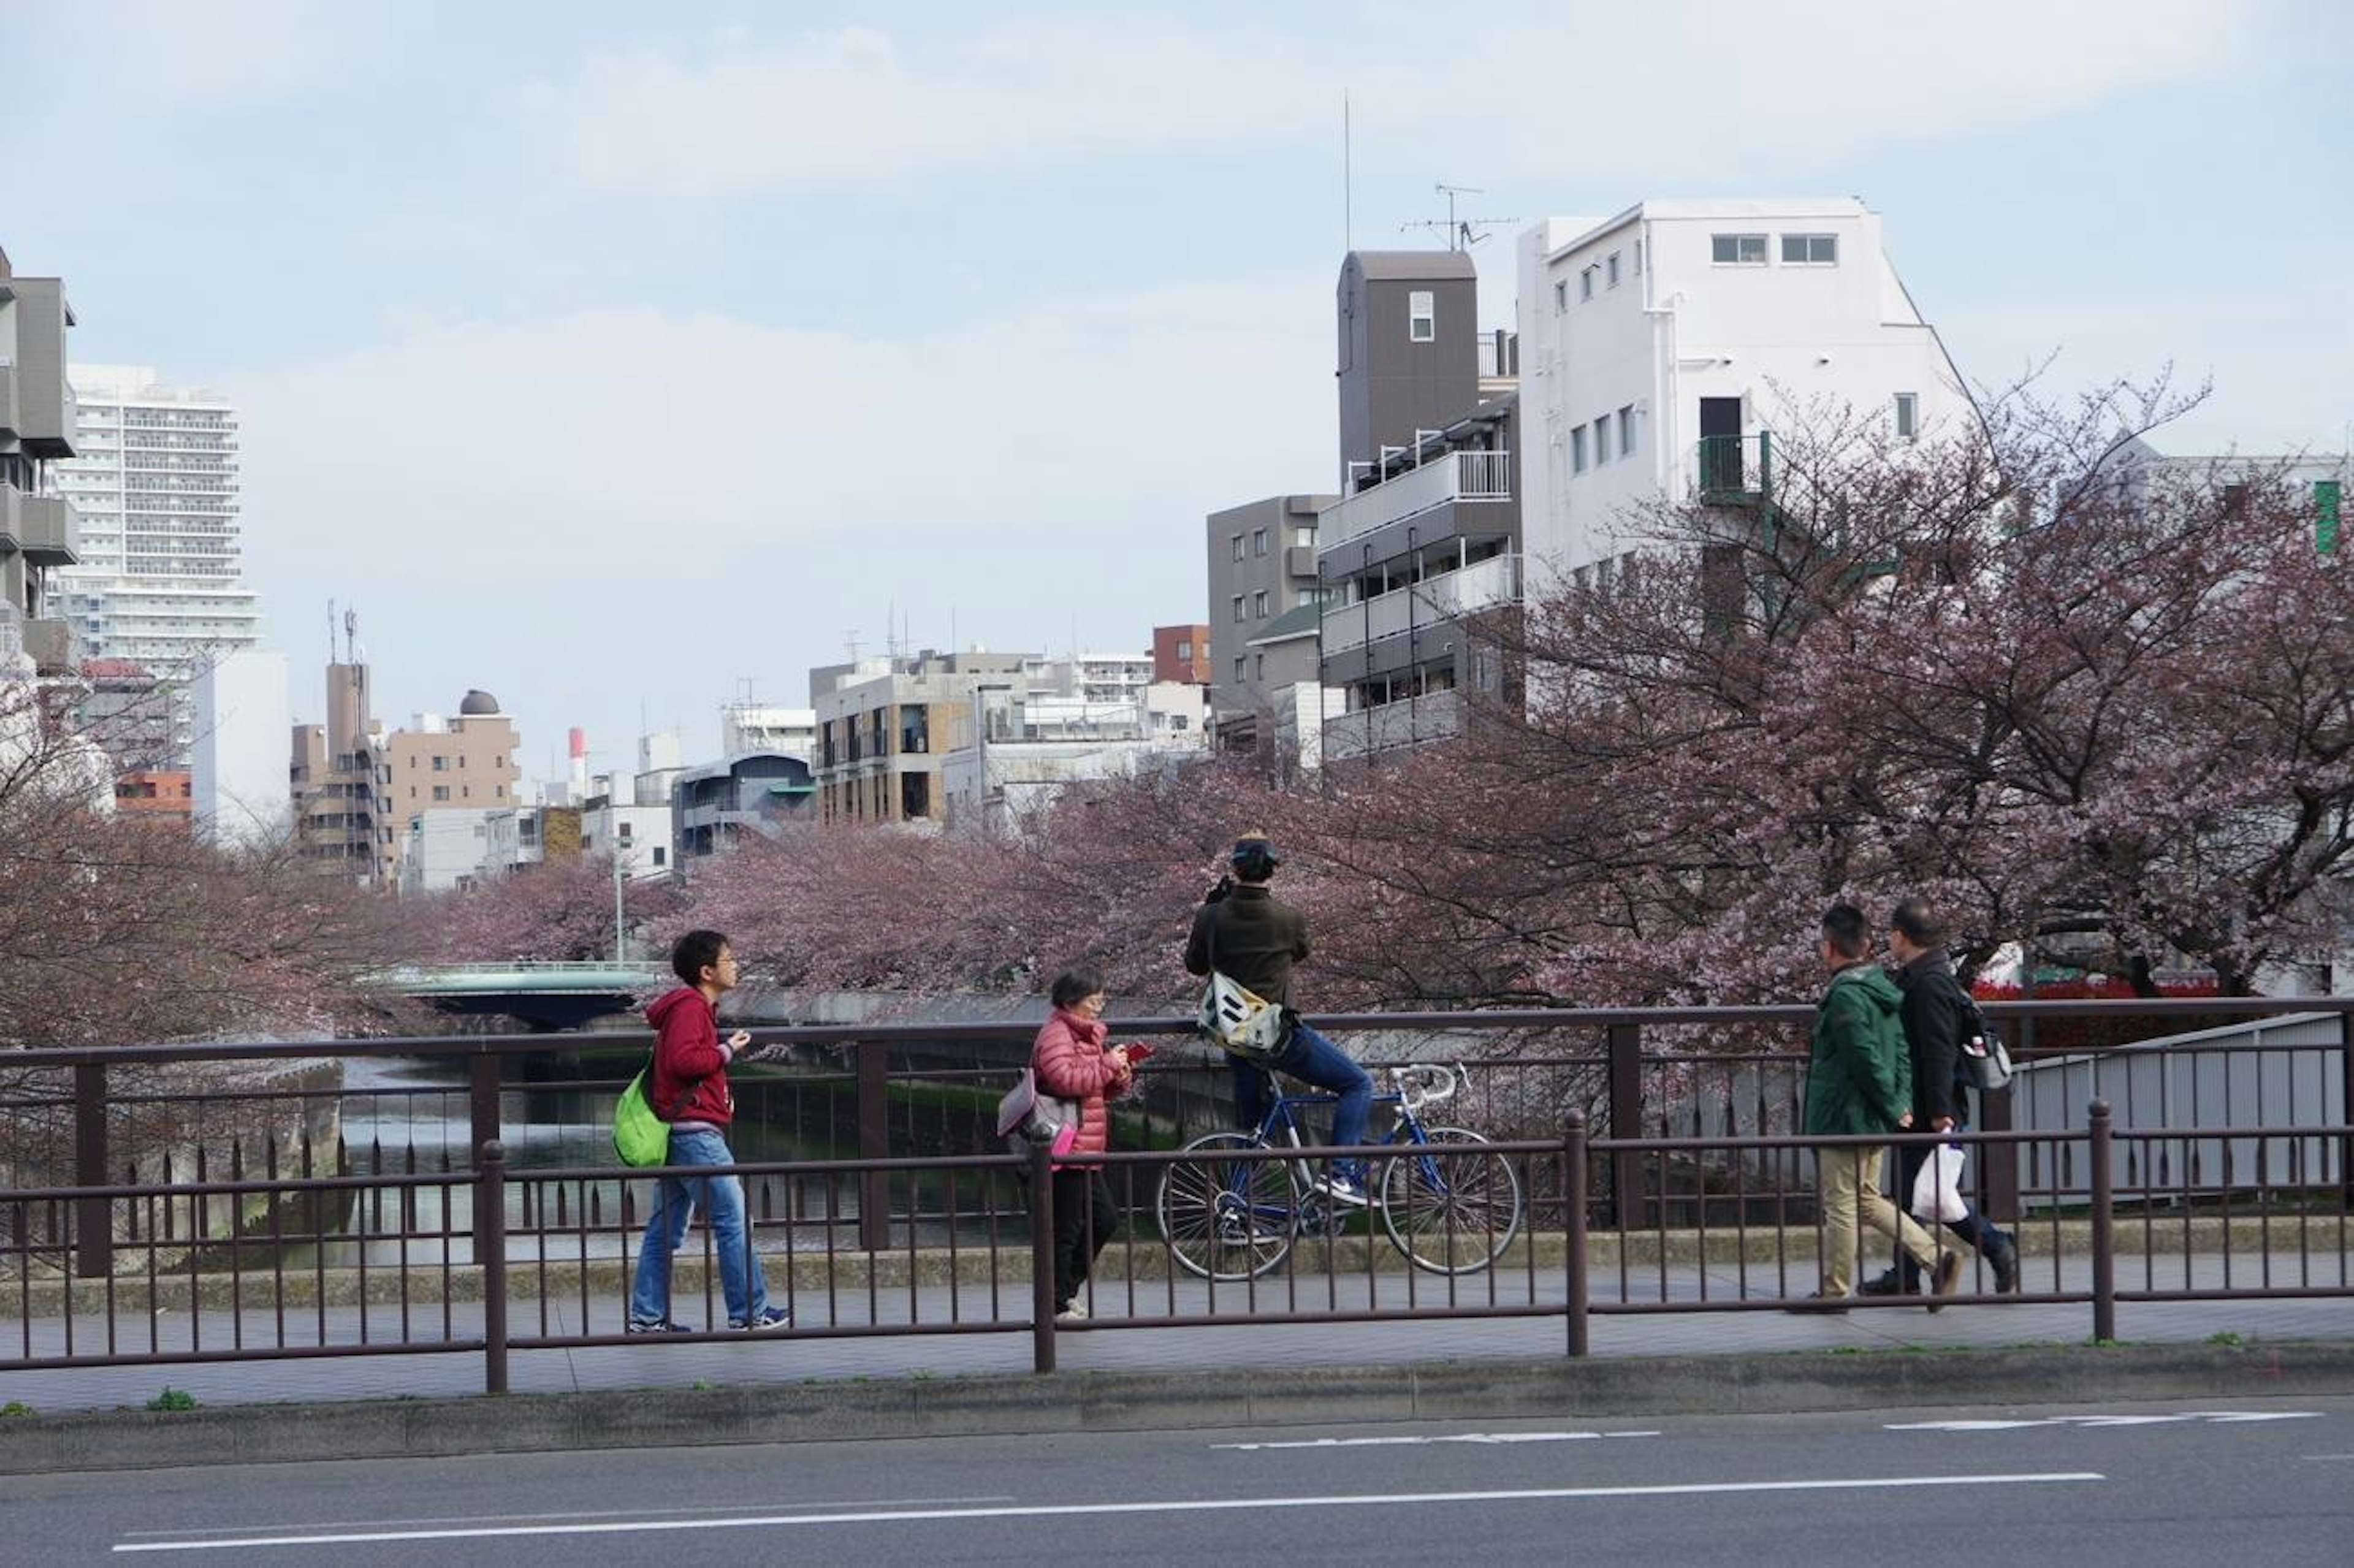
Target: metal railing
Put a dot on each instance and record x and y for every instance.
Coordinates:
(497, 1239)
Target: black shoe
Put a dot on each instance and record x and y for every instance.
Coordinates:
(1947, 1279)
(2004, 1256)
(1820, 1301)
(768, 1320)
(661, 1326)
(1889, 1283)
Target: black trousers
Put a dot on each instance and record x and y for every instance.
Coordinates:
(1085, 1214)
(1973, 1227)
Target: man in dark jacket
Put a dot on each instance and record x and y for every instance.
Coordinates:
(688, 1089)
(1859, 1083)
(1935, 1014)
(1253, 938)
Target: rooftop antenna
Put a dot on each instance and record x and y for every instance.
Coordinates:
(1462, 233)
(331, 632)
(851, 641)
(351, 633)
(1347, 181)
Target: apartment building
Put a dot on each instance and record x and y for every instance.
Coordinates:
(341, 822)
(747, 727)
(159, 578)
(38, 527)
(1663, 348)
(1023, 747)
(467, 762)
(1180, 654)
(884, 724)
(1425, 536)
(750, 792)
(1262, 568)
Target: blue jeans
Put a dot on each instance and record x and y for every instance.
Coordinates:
(1313, 1060)
(721, 1199)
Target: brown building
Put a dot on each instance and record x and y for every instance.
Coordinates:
(466, 761)
(1180, 654)
(338, 815)
(164, 796)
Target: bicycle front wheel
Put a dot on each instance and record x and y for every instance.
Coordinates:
(1449, 1212)
(1228, 1219)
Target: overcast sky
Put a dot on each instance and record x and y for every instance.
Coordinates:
(618, 359)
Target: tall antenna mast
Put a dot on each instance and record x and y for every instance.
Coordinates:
(1348, 181)
(1462, 233)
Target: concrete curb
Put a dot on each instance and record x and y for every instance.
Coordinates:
(1256, 1396)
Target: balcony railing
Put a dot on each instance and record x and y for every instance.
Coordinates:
(1734, 469)
(1409, 721)
(1451, 476)
(1446, 597)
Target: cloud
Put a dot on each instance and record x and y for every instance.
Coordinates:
(1665, 90)
(150, 57)
(587, 511)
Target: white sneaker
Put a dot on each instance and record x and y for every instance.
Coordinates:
(1076, 1312)
(1340, 1190)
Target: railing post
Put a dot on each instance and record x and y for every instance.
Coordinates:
(1042, 1257)
(490, 1257)
(874, 1143)
(2345, 1094)
(1573, 1154)
(482, 1120)
(1626, 1086)
(2105, 1251)
(93, 1255)
(1998, 1162)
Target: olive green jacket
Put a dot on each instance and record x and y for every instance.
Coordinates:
(1859, 1071)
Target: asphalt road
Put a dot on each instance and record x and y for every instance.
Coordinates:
(2255, 1481)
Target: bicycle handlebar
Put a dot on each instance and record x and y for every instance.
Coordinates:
(1421, 1083)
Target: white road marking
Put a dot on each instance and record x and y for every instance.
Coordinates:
(625, 1513)
(1496, 1437)
(2213, 1418)
(1072, 1510)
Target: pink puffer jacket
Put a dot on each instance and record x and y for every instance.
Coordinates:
(1069, 1060)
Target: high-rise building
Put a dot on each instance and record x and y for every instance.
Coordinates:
(159, 578)
(36, 432)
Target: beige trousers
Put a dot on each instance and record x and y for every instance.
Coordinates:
(1848, 1180)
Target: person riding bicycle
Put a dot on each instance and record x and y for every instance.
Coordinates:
(1256, 938)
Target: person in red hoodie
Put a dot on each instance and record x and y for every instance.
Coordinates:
(1071, 1064)
(689, 1090)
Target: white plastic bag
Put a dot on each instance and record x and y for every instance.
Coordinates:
(1937, 1189)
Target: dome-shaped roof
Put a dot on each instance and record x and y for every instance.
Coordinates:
(478, 703)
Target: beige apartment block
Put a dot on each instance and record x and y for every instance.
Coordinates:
(445, 764)
(884, 724)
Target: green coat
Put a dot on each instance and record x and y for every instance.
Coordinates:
(1859, 1072)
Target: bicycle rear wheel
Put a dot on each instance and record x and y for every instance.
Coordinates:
(1228, 1219)
(1449, 1214)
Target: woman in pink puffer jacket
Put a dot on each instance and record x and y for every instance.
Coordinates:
(1072, 1063)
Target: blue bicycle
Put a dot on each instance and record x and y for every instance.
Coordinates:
(1448, 1212)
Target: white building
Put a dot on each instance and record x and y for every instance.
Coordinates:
(1027, 747)
(746, 728)
(643, 831)
(448, 848)
(1661, 349)
(154, 481)
(238, 779)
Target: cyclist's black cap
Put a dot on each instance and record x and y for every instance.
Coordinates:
(1256, 850)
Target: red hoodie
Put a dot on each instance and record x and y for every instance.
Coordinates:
(690, 1081)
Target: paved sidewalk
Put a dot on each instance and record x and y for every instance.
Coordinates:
(1123, 1339)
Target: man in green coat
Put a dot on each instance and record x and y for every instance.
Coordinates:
(1859, 1084)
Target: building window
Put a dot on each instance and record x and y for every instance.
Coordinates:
(1239, 669)
(1238, 610)
(440, 765)
(1258, 666)
(1585, 284)
(1611, 268)
(1560, 296)
(1737, 249)
(1258, 604)
(1258, 542)
(1627, 430)
(1810, 251)
(1577, 450)
(1184, 653)
(1602, 441)
(1908, 416)
(1422, 316)
(1239, 546)
(658, 855)
(440, 791)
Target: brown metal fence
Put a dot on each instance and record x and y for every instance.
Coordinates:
(306, 1246)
